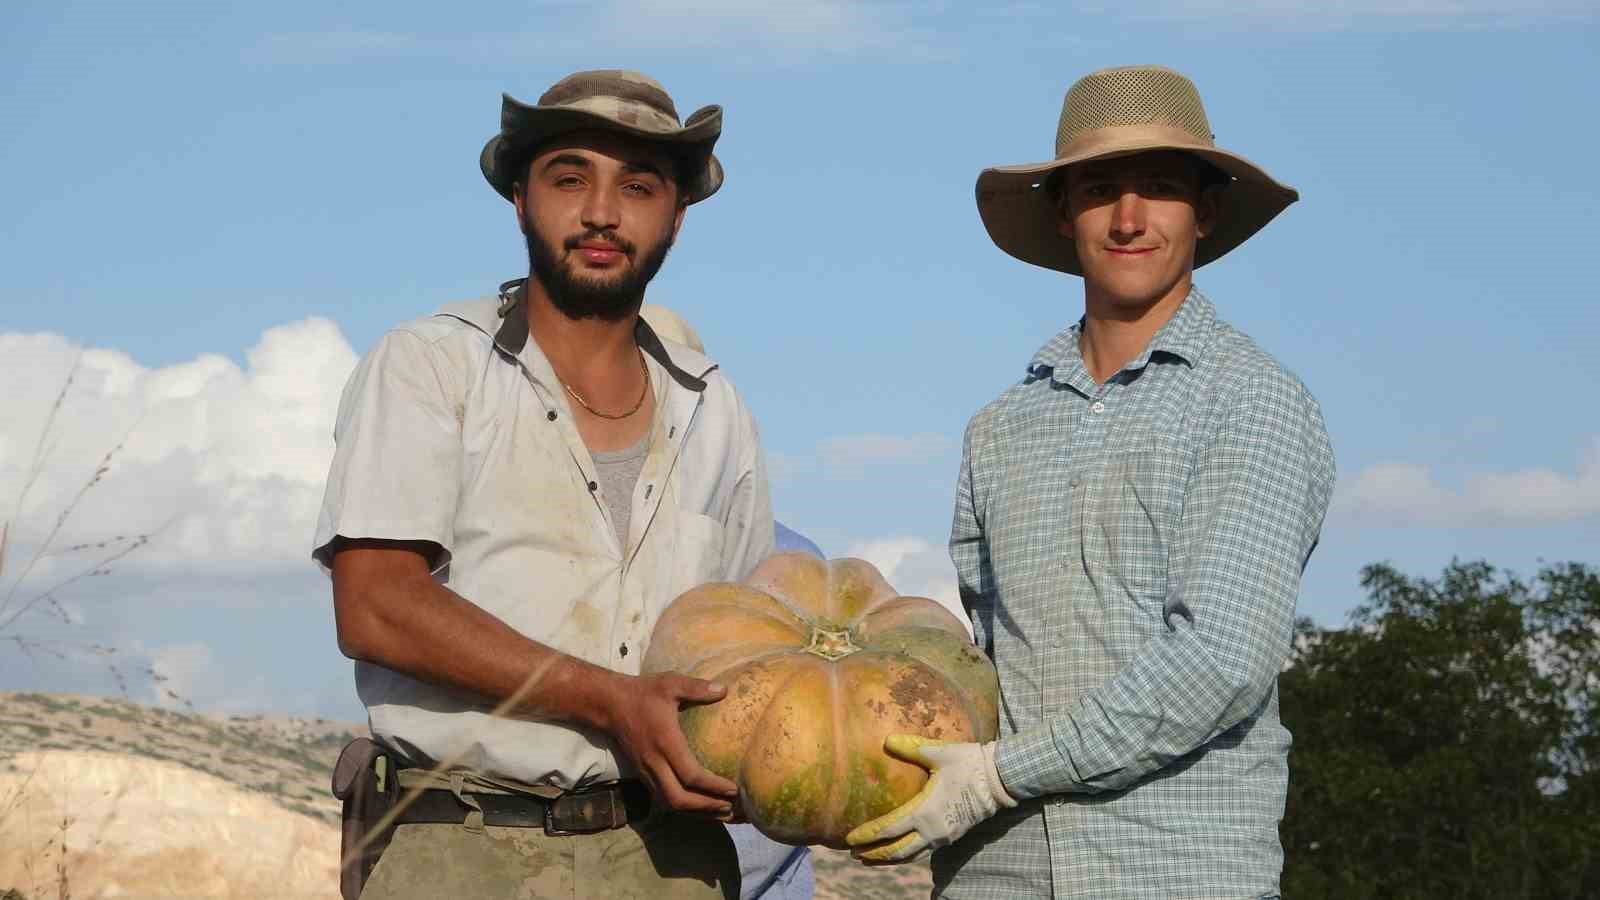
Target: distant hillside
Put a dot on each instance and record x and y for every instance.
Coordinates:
(106, 798)
(149, 802)
(287, 759)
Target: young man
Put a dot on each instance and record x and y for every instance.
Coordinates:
(521, 485)
(1131, 524)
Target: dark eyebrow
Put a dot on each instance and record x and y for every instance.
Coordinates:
(567, 159)
(634, 167)
(644, 167)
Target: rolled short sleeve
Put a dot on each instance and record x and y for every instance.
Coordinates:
(397, 458)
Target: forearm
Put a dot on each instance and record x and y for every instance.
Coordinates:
(1174, 698)
(420, 628)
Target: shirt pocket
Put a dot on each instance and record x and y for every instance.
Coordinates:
(1135, 523)
(696, 552)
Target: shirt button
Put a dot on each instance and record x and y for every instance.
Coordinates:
(1098, 406)
(551, 415)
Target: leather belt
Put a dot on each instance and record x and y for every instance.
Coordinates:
(576, 812)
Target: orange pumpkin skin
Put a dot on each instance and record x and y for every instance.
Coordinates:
(822, 660)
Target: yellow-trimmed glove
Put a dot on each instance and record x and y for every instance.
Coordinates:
(963, 789)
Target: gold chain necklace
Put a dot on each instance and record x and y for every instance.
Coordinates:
(643, 392)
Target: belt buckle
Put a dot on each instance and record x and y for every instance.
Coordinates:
(585, 803)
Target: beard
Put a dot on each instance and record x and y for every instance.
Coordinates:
(609, 298)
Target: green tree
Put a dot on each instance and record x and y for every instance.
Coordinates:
(1445, 743)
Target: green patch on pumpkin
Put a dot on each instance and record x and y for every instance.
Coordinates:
(795, 806)
(869, 793)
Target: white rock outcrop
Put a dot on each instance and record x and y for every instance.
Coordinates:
(115, 825)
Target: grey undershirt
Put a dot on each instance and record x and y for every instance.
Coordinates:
(618, 473)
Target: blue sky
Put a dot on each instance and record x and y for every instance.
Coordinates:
(221, 206)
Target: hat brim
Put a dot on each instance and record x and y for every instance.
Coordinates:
(506, 153)
(1021, 216)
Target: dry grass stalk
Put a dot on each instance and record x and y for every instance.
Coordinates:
(444, 765)
(111, 550)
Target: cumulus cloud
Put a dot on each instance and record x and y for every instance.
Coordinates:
(1403, 494)
(191, 675)
(221, 465)
(180, 672)
(916, 568)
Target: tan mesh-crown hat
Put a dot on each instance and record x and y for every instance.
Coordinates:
(1117, 112)
(615, 100)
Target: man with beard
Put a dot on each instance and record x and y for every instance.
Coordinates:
(521, 485)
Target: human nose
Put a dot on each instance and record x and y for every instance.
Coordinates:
(601, 211)
(1127, 218)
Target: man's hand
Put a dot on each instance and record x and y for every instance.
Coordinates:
(963, 789)
(644, 722)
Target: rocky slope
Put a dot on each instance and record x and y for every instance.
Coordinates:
(102, 797)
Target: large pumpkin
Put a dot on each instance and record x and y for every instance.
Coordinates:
(822, 660)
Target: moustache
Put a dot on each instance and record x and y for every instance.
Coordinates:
(610, 237)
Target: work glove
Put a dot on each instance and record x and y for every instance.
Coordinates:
(963, 789)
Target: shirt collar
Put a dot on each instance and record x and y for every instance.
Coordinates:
(510, 333)
(1184, 337)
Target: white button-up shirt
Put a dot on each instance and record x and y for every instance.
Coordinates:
(455, 430)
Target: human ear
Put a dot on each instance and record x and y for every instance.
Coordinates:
(519, 199)
(1064, 224)
(1206, 209)
(1056, 185)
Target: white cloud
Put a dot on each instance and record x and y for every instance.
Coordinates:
(914, 567)
(181, 671)
(1401, 494)
(223, 465)
(190, 675)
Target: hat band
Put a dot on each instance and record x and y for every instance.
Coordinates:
(1119, 138)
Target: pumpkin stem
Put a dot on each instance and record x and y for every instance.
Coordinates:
(831, 645)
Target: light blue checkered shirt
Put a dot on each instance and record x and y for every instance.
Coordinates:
(1130, 554)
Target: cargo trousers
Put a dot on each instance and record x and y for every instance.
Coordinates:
(661, 858)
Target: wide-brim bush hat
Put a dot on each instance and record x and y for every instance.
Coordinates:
(614, 100)
(1118, 112)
